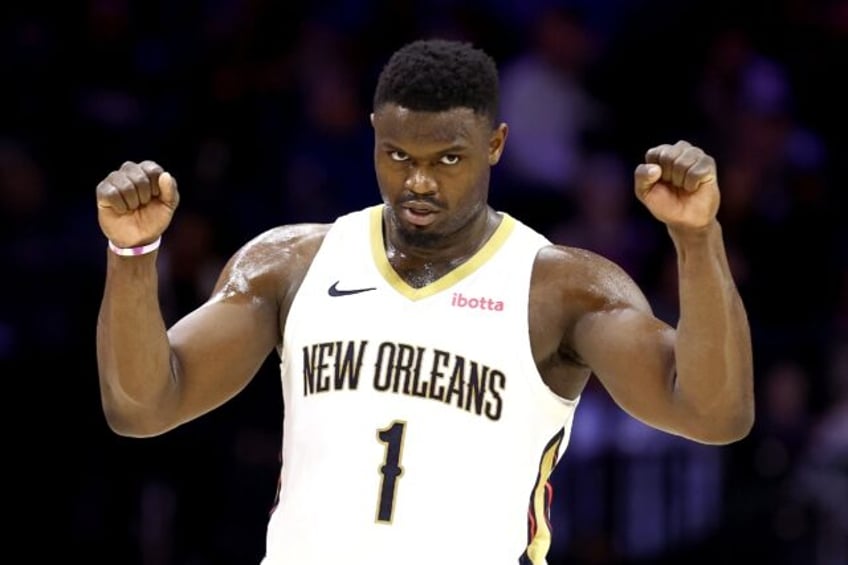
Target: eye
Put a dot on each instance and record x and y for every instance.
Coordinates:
(399, 156)
(449, 159)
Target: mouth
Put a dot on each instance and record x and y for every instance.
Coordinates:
(418, 214)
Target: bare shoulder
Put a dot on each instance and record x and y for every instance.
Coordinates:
(584, 279)
(570, 285)
(272, 263)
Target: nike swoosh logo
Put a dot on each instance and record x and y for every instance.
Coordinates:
(335, 291)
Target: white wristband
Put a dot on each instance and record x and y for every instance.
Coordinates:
(135, 251)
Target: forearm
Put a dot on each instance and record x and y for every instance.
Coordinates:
(133, 353)
(713, 349)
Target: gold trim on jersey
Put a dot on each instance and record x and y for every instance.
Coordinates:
(539, 533)
(378, 251)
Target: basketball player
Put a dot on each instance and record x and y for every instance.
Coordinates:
(432, 349)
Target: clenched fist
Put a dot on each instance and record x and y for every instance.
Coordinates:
(135, 204)
(678, 184)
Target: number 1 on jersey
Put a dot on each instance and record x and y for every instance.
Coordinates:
(390, 470)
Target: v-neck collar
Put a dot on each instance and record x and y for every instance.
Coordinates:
(378, 252)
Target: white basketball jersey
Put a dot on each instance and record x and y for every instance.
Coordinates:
(417, 429)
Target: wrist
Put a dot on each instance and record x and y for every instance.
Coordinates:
(136, 250)
(692, 233)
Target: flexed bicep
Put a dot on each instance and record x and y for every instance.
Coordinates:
(631, 353)
(218, 348)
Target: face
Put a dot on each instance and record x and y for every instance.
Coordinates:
(433, 170)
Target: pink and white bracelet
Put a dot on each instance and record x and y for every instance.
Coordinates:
(135, 251)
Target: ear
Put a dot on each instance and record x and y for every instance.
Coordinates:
(497, 142)
(371, 117)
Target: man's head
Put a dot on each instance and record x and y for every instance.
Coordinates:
(435, 75)
(436, 138)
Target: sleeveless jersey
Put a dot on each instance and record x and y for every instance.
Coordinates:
(417, 429)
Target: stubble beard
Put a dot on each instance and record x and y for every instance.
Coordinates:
(411, 237)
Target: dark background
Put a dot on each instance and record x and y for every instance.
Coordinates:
(260, 110)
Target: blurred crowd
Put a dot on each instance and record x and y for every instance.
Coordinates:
(260, 110)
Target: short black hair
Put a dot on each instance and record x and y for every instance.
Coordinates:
(434, 75)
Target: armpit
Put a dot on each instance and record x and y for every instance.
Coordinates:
(567, 356)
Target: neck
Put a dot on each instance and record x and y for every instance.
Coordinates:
(420, 265)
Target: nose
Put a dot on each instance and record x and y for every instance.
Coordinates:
(420, 182)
